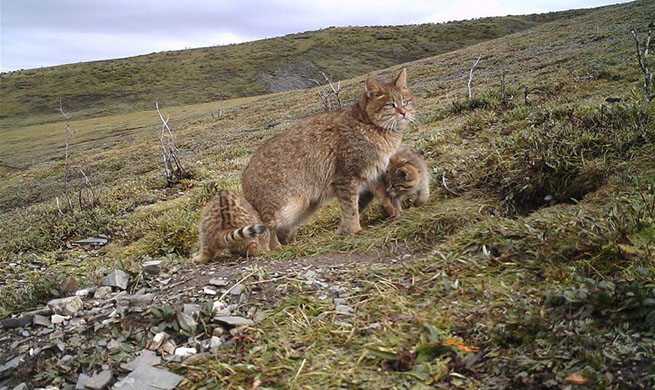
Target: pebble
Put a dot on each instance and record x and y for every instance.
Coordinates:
(152, 267)
(237, 290)
(219, 282)
(66, 306)
(235, 320)
(208, 291)
(344, 309)
(57, 319)
(116, 278)
(99, 381)
(186, 321)
(81, 382)
(102, 292)
(19, 322)
(147, 378)
(185, 351)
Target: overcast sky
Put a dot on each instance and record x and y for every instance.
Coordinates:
(38, 33)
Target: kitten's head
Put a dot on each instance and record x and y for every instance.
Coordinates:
(389, 105)
(402, 177)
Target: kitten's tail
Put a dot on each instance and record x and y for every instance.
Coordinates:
(250, 231)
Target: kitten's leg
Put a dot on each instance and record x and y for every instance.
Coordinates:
(384, 200)
(347, 195)
(204, 255)
(423, 194)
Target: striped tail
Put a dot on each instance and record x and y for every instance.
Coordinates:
(245, 232)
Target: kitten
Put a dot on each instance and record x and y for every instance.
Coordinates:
(228, 221)
(332, 154)
(406, 176)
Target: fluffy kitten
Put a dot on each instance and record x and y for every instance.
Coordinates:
(332, 154)
(228, 221)
(406, 176)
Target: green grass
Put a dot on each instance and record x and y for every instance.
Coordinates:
(540, 252)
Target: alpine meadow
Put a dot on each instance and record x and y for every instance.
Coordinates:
(530, 266)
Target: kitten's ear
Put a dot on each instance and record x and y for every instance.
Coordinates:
(404, 176)
(401, 79)
(394, 160)
(373, 87)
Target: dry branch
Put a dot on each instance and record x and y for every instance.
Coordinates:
(326, 94)
(173, 168)
(69, 135)
(471, 76)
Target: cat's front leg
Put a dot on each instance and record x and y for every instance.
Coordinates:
(347, 195)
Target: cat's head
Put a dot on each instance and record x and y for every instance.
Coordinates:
(389, 105)
(402, 176)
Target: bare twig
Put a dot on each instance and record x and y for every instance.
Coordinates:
(69, 135)
(95, 201)
(471, 76)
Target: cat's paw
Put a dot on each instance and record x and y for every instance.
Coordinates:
(348, 231)
(389, 211)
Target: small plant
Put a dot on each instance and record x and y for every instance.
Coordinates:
(173, 170)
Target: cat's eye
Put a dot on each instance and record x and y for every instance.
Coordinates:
(405, 102)
(391, 105)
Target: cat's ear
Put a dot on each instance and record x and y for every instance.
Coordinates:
(373, 87)
(401, 79)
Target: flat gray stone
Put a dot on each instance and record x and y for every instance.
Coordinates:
(191, 309)
(102, 292)
(10, 366)
(152, 267)
(21, 386)
(186, 321)
(136, 300)
(146, 358)
(235, 321)
(219, 282)
(116, 278)
(19, 322)
(81, 382)
(344, 309)
(237, 290)
(99, 381)
(149, 378)
(66, 306)
(91, 241)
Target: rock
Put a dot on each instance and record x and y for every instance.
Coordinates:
(146, 358)
(149, 378)
(7, 368)
(208, 291)
(69, 285)
(185, 351)
(41, 320)
(19, 322)
(168, 347)
(68, 306)
(219, 282)
(116, 278)
(99, 381)
(102, 292)
(21, 386)
(191, 309)
(83, 293)
(344, 309)
(136, 300)
(186, 322)
(235, 321)
(215, 343)
(339, 301)
(218, 331)
(158, 340)
(91, 241)
(57, 319)
(237, 290)
(152, 267)
(81, 382)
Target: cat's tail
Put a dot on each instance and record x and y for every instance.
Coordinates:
(246, 232)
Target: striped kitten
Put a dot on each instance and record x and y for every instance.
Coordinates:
(228, 221)
(406, 176)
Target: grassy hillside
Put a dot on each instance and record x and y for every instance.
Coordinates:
(533, 259)
(278, 64)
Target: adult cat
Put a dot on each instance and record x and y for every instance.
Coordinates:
(333, 154)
